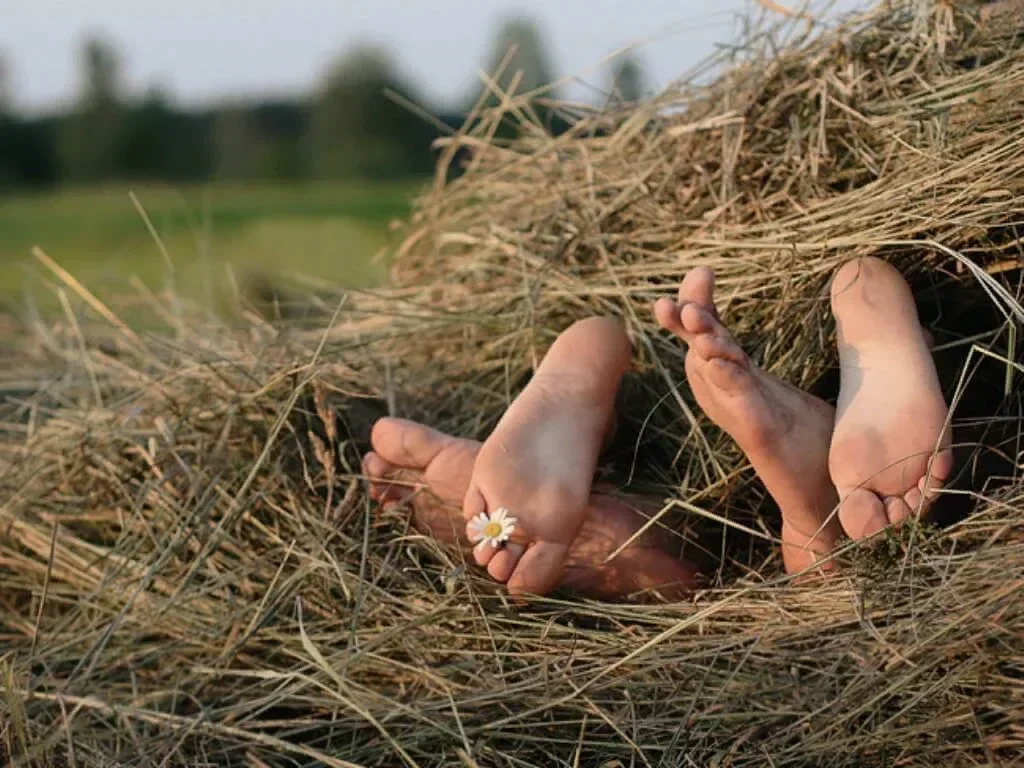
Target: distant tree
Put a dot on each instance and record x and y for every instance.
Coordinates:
(7, 127)
(34, 152)
(89, 138)
(519, 54)
(282, 125)
(359, 125)
(147, 141)
(26, 145)
(263, 140)
(102, 73)
(236, 143)
(629, 81)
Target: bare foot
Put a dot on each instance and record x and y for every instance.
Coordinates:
(539, 462)
(783, 431)
(413, 463)
(891, 415)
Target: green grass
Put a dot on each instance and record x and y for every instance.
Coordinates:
(212, 235)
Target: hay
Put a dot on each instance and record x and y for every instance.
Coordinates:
(194, 576)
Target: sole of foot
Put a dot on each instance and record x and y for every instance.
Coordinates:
(430, 471)
(890, 448)
(784, 432)
(539, 462)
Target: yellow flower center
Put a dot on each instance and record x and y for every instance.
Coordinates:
(492, 530)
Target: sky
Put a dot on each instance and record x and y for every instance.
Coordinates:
(205, 51)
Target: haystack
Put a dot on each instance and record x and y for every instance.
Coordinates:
(193, 574)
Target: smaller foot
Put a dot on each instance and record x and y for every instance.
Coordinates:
(413, 464)
(783, 431)
(890, 449)
(539, 462)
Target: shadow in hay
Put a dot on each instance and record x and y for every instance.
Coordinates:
(986, 402)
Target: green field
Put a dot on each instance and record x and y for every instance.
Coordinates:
(213, 237)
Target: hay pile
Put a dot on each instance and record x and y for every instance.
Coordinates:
(194, 576)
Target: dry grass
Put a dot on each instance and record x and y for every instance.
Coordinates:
(194, 576)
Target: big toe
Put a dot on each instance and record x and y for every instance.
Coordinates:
(407, 443)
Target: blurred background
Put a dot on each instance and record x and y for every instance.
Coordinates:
(266, 137)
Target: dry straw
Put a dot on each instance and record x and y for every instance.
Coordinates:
(193, 574)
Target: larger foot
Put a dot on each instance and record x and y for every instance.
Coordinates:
(431, 471)
(891, 446)
(783, 431)
(539, 463)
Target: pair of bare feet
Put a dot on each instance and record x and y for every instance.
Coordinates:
(874, 460)
(871, 462)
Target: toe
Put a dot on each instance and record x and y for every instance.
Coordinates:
(698, 286)
(375, 468)
(483, 553)
(861, 513)
(407, 443)
(921, 497)
(504, 561)
(913, 499)
(725, 375)
(939, 469)
(929, 487)
(382, 475)
(473, 504)
(666, 312)
(711, 346)
(713, 355)
(897, 510)
(697, 319)
(539, 569)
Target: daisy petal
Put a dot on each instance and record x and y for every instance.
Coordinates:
(475, 531)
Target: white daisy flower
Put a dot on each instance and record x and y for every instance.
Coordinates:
(494, 530)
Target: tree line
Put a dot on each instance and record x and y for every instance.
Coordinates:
(358, 124)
